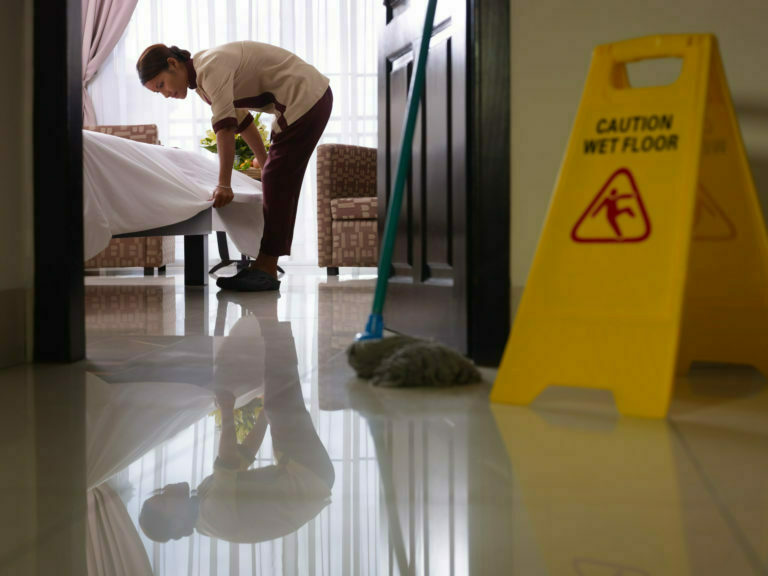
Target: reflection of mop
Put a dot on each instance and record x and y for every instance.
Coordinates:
(384, 460)
(404, 361)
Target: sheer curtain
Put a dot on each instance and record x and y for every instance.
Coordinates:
(338, 37)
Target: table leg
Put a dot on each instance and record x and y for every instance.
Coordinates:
(196, 260)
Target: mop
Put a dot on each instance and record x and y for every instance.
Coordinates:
(402, 360)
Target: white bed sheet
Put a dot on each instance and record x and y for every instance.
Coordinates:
(131, 186)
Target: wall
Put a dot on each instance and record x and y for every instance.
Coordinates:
(16, 258)
(552, 41)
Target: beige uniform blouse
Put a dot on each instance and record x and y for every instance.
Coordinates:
(242, 76)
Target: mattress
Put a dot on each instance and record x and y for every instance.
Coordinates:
(131, 186)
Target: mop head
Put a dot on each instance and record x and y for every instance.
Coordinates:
(366, 355)
(402, 361)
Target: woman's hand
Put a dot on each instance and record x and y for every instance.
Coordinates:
(225, 400)
(222, 195)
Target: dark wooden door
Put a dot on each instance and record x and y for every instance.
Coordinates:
(427, 292)
(450, 277)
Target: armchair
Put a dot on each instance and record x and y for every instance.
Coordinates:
(347, 207)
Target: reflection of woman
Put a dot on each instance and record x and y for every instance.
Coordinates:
(235, 78)
(242, 505)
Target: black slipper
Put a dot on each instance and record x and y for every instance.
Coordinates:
(249, 280)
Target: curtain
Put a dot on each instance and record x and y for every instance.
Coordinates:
(113, 545)
(338, 37)
(104, 22)
(125, 419)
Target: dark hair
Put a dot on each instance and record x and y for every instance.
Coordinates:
(155, 59)
(155, 524)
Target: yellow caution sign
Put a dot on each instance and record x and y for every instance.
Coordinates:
(654, 251)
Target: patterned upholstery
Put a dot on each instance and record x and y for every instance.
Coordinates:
(346, 306)
(347, 230)
(149, 252)
(130, 309)
(355, 242)
(146, 133)
(354, 208)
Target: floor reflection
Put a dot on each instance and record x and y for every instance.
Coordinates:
(130, 309)
(313, 472)
(595, 493)
(240, 503)
(152, 434)
(363, 486)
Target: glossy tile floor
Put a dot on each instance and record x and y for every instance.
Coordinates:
(343, 478)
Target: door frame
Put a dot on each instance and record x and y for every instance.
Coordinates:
(59, 291)
(59, 300)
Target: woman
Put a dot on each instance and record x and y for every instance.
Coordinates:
(238, 503)
(234, 79)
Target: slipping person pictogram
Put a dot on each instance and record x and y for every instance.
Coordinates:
(618, 197)
(612, 209)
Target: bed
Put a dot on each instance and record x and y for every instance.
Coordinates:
(137, 189)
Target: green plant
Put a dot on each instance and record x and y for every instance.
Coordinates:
(245, 418)
(243, 153)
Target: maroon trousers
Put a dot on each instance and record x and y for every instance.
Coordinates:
(283, 174)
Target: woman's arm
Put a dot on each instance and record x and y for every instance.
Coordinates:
(228, 454)
(252, 137)
(255, 437)
(225, 142)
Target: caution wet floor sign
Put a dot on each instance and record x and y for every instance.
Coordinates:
(654, 251)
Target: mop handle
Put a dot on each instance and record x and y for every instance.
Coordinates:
(403, 164)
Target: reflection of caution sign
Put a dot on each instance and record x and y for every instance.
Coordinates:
(710, 222)
(654, 252)
(620, 512)
(617, 213)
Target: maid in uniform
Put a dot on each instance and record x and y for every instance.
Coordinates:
(234, 79)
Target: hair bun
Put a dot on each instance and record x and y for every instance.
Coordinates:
(182, 55)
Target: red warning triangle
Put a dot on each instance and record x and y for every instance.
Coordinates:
(616, 215)
(710, 222)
